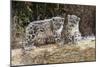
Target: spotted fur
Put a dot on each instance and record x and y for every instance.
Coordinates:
(44, 32)
(72, 34)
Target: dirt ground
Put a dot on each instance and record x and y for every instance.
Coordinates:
(52, 53)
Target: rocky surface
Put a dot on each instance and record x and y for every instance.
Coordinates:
(84, 51)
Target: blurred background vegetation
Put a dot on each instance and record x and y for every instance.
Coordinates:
(23, 13)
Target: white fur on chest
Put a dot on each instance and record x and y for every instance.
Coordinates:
(59, 30)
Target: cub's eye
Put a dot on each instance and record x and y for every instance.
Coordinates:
(71, 25)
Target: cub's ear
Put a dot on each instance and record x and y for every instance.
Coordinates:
(78, 19)
(68, 15)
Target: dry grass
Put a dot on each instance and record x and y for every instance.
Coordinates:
(48, 54)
